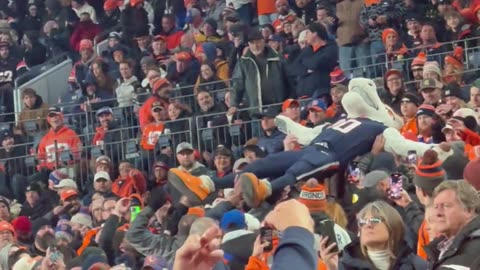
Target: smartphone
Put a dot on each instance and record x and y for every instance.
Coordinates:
(355, 175)
(412, 157)
(396, 186)
(327, 230)
(266, 235)
(135, 208)
(55, 255)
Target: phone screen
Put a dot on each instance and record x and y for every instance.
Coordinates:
(396, 186)
(412, 157)
(327, 230)
(266, 235)
(134, 211)
(355, 175)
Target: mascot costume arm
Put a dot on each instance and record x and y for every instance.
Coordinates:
(395, 143)
(305, 135)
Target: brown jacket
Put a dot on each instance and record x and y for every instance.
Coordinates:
(349, 31)
(38, 114)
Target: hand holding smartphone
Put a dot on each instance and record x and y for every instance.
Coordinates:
(266, 235)
(396, 186)
(327, 230)
(412, 157)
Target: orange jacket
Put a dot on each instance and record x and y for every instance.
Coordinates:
(145, 112)
(87, 239)
(65, 139)
(134, 183)
(423, 240)
(150, 135)
(99, 135)
(409, 126)
(255, 263)
(265, 7)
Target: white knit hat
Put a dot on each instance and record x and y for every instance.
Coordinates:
(432, 66)
(82, 219)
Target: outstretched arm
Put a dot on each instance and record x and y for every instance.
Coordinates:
(395, 143)
(305, 135)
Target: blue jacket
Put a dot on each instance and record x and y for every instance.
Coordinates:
(295, 251)
(273, 143)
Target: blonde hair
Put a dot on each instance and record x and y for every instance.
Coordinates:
(335, 211)
(393, 221)
(465, 193)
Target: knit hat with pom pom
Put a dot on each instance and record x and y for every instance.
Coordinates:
(429, 173)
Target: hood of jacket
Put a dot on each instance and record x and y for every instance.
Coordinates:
(270, 54)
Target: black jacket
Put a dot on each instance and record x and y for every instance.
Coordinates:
(133, 21)
(14, 161)
(313, 69)
(42, 207)
(353, 259)
(462, 252)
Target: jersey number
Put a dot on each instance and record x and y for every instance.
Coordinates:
(6, 76)
(346, 125)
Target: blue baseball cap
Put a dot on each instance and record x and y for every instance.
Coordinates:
(233, 219)
(317, 105)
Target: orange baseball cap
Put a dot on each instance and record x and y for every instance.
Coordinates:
(183, 56)
(289, 103)
(6, 226)
(159, 83)
(67, 194)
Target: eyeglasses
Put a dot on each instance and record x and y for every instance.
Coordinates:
(370, 221)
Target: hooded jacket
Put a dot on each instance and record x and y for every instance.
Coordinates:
(126, 92)
(37, 113)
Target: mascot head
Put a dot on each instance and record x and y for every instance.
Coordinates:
(362, 100)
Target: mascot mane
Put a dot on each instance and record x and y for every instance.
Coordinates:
(362, 100)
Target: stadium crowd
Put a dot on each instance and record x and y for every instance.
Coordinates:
(151, 158)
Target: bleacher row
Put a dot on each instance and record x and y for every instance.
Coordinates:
(205, 137)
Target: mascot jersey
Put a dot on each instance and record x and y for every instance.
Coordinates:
(349, 138)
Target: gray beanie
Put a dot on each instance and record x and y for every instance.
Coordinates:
(374, 177)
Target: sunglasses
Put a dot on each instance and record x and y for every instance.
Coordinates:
(157, 110)
(370, 221)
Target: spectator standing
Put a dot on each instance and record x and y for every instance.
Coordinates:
(108, 135)
(57, 140)
(80, 68)
(35, 206)
(267, 12)
(375, 17)
(184, 71)
(81, 6)
(133, 20)
(315, 63)
(430, 45)
(161, 89)
(408, 107)
(306, 10)
(214, 11)
(111, 16)
(271, 139)
(170, 31)
(85, 29)
(251, 80)
(128, 85)
(8, 65)
(131, 181)
(351, 36)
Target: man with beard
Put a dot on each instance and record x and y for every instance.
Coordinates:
(187, 162)
(44, 238)
(70, 205)
(35, 206)
(207, 107)
(108, 134)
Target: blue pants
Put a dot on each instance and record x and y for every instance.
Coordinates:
(286, 168)
(360, 54)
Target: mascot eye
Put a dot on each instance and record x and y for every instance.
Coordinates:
(370, 84)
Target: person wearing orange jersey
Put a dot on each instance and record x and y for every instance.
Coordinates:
(161, 89)
(151, 134)
(58, 139)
